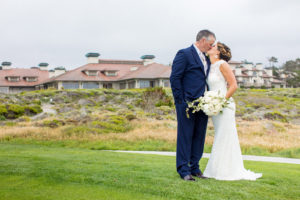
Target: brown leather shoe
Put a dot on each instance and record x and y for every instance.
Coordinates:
(188, 178)
(200, 175)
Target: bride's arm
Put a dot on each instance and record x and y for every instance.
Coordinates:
(230, 79)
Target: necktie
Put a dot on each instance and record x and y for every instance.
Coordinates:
(203, 61)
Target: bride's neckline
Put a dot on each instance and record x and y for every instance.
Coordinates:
(216, 62)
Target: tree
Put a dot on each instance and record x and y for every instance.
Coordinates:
(272, 60)
(294, 81)
(293, 67)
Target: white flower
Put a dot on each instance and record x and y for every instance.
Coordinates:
(212, 103)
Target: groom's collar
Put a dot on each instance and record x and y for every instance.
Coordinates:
(198, 51)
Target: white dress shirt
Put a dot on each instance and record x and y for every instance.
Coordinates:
(202, 58)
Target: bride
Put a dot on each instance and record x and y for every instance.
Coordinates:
(225, 162)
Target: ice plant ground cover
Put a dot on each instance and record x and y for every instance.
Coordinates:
(212, 103)
(268, 121)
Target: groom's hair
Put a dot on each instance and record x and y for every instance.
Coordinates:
(204, 33)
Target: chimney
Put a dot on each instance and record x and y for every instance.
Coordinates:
(6, 65)
(92, 58)
(51, 73)
(259, 66)
(148, 59)
(43, 66)
(59, 70)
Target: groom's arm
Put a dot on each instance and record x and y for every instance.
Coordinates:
(178, 68)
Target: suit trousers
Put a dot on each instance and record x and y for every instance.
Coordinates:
(190, 140)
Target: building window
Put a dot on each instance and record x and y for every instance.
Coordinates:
(166, 83)
(70, 85)
(31, 79)
(131, 84)
(92, 73)
(152, 83)
(4, 89)
(14, 79)
(254, 73)
(90, 85)
(144, 84)
(110, 73)
(107, 85)
(122, 85)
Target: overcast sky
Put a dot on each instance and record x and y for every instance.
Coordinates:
(61, 32)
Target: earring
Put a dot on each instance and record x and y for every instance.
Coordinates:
(216, 56)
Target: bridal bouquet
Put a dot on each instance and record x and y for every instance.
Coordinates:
(212, 103)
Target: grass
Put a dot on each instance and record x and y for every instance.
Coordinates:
(266, 138)
(40, 172)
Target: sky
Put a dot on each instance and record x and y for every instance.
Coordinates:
(61, 32)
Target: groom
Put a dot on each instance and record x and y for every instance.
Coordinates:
(188, 82)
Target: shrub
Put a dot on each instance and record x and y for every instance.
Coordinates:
(130, 107)
(3, 112)
(111, 109)
(53, 123)
(130, 116)
(2, 118)
(165, 110)
(32, 110)
(113, 124)
(37, 101)
(155, 97)
(276, 116)
(14, 111)
(24, 119)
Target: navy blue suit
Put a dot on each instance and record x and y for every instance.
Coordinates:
(188, 82)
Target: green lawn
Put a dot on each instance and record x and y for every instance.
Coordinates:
(142, 145)
(41, 172)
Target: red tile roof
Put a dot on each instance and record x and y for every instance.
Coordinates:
(277, 81)
(243, 75)
(253, 69)
(234, 62)
(21, 72)
(123, 70)
(150, 71)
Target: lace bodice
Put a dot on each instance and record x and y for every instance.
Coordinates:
(216, 80)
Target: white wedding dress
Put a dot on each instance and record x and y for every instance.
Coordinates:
(225, 162)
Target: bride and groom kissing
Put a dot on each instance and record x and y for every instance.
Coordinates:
(203, 67)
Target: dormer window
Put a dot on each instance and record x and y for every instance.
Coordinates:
(91, 72)
(13, 78)
(31, 79)
(110, 72)
(133, 68)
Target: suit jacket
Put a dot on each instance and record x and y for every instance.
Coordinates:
(188, 79)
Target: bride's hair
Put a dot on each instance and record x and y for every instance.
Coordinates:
(225, 53)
